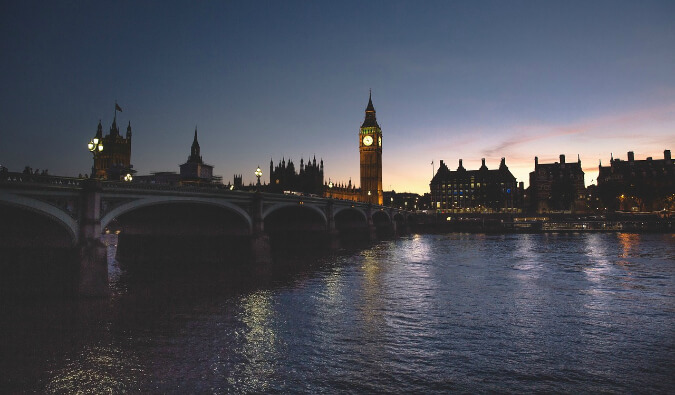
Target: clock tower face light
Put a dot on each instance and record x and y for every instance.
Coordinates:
(368, 140)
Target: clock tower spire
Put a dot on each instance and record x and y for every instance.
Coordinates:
(370, 149)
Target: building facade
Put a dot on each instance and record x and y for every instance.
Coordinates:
(479, 191)
(370, 149)
(557, 187)
(285, 178)
(113, 161)
(638, 185)
(195, 171)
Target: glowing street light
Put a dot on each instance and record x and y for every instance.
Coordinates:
(128, 177)
(95, 146)
(258, 173)
(330, 188)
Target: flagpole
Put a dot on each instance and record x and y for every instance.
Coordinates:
(115, 118)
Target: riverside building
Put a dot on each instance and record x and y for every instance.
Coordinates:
(638, 185)
(475, 191)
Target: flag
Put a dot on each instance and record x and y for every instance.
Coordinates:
(118, 108)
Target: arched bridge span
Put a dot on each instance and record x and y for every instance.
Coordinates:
(84, 208)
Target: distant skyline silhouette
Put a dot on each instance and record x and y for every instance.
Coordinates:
(265, 80)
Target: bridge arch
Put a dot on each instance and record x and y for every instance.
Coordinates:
(295, 228)
(358, 210)
(380, 217)
(156, 200)
(54, 213)
(271, 209)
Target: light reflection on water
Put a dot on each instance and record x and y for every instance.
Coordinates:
(96, 370)
(588, 312)
(258, 343)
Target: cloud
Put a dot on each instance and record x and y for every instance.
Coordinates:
(518, 140)
(625, 125)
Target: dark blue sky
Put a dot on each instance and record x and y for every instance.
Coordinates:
(287, 79)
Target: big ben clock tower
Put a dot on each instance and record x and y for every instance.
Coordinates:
(370, 148)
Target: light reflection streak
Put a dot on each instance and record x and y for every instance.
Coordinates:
(526, 257)
(595, 247)
(415, 268)
(259, 345)
(372, 301)
(602, 271)
(630, 242)
(529, 296)
(417, 251)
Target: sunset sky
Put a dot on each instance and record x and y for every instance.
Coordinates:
(287, 79)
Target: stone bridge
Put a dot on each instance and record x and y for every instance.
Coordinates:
(47, 219)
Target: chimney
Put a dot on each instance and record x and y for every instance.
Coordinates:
(631, 156)
(666, 154)
(536, 161)
(562, 158)
(483, 160)
(441, 165)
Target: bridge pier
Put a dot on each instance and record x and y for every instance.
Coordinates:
(93, 262)
(372, 229)
(332, 234)
(261, 250)
(93, 269)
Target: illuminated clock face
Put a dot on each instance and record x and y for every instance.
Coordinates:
(379, 141)
(368, 140)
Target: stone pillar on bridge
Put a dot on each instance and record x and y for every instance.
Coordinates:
(261, 252)
(332, 233)
(372, 230)
(93, 263)
(393, 222)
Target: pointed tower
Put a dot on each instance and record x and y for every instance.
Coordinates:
(370, 149)
(195, 155)
(195, 171)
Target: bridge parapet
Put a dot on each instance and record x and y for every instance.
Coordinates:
(37, 179)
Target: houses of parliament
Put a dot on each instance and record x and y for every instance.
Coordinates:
(112, 161)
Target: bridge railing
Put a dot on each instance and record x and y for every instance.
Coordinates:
(7, 177)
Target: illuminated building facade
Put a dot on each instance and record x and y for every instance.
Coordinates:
(638, 185)
(370, 149)
(113, 162)
(480, 191)
(342, 191)
(557, 187)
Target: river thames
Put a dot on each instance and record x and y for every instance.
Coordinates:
(557, 312)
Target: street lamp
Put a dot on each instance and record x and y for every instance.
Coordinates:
(330, 188)
(128, 177)
(95, 146)
(258, 173)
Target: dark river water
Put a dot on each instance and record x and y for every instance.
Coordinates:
(423, 314)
